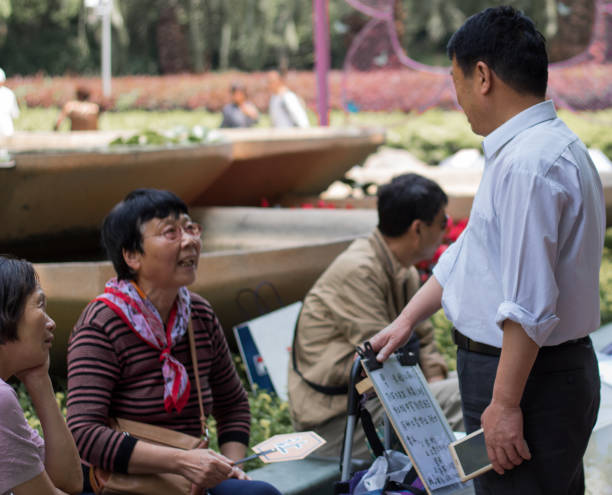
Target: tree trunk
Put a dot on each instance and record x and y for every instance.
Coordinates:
(196, 26)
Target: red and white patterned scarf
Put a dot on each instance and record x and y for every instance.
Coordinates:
(139, 313)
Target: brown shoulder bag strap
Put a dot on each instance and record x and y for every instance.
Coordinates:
(194, 360)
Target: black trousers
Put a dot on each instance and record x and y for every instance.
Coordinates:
(560, 405)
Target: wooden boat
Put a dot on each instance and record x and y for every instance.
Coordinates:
(268, 164)
(265, 246)
(53, 200)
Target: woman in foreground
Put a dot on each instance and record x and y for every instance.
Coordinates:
(129, 355)
(29, 464)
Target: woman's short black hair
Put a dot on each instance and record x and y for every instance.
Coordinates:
(18, 280)
(407, 198)
(122, 226)
(509, 43)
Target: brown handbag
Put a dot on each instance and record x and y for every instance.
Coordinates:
(107, 483)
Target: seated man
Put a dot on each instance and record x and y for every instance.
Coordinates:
(83, 114)
(361, 292)
(240, 112)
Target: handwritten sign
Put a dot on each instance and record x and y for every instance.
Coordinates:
(290, 446)
(419, 424)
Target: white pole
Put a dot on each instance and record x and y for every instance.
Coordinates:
(107, 7)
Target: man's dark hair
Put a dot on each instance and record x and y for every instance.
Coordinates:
(18, 280)
(407, 198)
(122, 226)
(508, 42)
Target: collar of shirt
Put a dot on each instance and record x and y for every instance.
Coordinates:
(508, 130)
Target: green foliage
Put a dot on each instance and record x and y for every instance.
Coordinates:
(605, 281)
(57, 36)
(593, 128)
(175, 135)
(442, 334)
(433, 135)
(28, 409)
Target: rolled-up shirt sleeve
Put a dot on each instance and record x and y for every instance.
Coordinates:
(529, 209)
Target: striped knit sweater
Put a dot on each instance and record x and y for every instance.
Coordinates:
(112, 372)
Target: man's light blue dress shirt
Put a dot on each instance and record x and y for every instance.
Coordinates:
(532, 248)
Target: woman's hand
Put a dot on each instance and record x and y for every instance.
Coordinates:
(205, 468)
(239, 474)
(32, 378)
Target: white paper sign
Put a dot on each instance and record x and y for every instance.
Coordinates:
(420, 425)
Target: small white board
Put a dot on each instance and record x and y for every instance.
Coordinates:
(265, 345)
(420, 425)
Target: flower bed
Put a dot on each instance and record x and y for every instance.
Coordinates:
(581, 87)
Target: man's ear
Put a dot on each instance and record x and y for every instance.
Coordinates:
(483, 77)
(415, 227)
(132, 259)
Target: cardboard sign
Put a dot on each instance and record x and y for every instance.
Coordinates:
(289, 446)
(265, 347)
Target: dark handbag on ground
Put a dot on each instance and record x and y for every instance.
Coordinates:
(106, 483)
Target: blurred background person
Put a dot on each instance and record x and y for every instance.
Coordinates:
(83, 114)
(285, 108)
(239, 112)
(9, 109)
(30, 464)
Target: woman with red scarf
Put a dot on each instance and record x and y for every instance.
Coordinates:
(129, 354)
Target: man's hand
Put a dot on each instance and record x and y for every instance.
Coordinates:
(424, 303)
(503, 430)
(389, 339)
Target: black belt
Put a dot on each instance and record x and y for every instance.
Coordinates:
(470, 345)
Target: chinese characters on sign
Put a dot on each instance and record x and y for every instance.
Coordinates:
(289, 447)
(417, 421)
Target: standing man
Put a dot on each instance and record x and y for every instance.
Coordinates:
(521, 284)
(9, 109)
(362, 291)
(286, 109)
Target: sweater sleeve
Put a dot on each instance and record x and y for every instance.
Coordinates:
(93, 371)
(230, 402)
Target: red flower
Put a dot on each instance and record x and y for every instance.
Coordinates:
(455, 229)
(425, 267)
